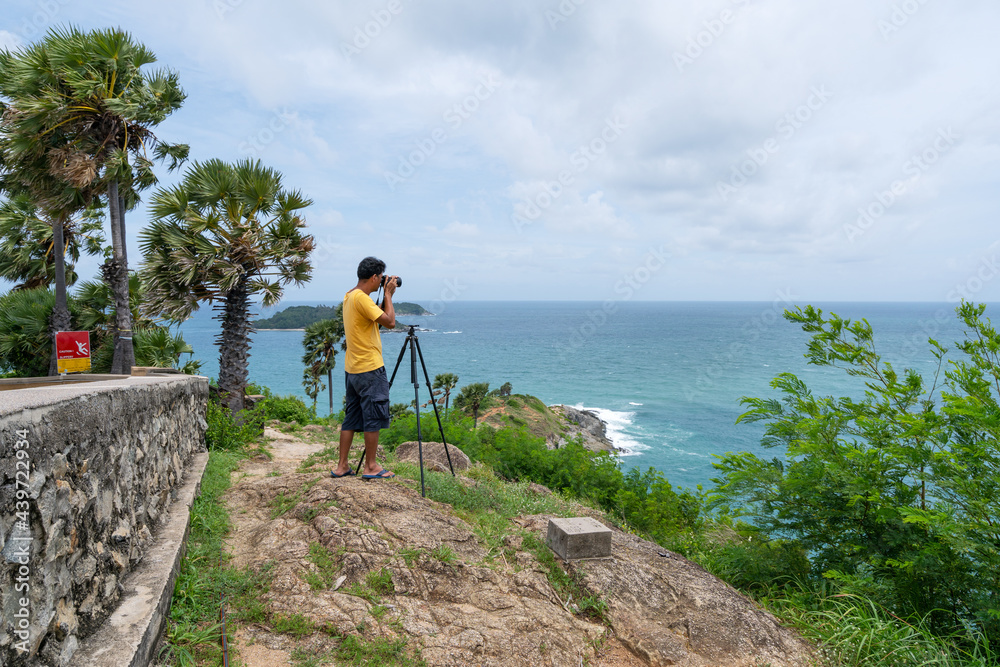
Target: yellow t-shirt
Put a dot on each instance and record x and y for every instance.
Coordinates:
(364, 345)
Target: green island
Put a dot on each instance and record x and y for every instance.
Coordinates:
(299, 317)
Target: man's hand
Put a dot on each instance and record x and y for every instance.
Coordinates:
(390, 286)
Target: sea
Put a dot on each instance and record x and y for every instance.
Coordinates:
(667, 378)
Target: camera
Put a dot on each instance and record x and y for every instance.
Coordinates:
(385, 278)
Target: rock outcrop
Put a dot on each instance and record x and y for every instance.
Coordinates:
(435, 456)
(583, 423)
(670, 611)
(407, 568)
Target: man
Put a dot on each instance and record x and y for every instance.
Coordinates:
(367, 408)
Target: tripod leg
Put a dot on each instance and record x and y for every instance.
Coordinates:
(416, 408)
(434, 403)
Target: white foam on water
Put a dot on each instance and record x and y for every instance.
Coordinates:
(616, 425)
(635, 404)
(451, 332)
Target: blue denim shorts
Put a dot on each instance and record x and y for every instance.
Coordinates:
(367, 407)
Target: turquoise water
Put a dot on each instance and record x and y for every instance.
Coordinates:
(666, 377)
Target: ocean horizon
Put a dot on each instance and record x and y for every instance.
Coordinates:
(665, 376)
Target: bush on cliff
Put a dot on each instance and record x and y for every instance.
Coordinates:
(643, 500)
(894, 495)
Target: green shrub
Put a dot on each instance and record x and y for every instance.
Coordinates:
(758, 565)
(650, 505)
(457, 430)
(225, 433)
(25, 343)
(896, 490)
(287, 409)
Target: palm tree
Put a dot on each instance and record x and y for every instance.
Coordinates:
(24, 331)
(27, 247)
(27, 177)
(225, 233)
(445, 382)
(313, 384)
(320, 342)
(78, 126)
(472, 397)
(95, 303)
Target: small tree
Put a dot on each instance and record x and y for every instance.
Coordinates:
(313, 383)
(320, 342)
(473, 397)
(443, 384)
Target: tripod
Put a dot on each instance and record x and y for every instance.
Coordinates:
(414, 345)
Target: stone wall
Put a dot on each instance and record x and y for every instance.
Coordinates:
(85, 473)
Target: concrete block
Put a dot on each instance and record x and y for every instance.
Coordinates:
(581, 537)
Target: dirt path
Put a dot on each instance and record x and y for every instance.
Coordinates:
(287, 452)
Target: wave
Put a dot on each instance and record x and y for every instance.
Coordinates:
(635, 404)
(620, 428)
(451, 332)
(616, 425)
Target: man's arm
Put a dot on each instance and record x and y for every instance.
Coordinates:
(388, 317)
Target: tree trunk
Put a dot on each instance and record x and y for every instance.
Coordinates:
(115, 273)
(234, 346)
(60, 318)
(329, 386)
(121, 230)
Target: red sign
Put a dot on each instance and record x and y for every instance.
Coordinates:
(73, 351)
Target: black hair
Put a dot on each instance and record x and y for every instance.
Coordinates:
(370, 266)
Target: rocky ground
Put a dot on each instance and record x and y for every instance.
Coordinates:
(376, 564)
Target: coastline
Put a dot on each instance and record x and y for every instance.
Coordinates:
(588, 425)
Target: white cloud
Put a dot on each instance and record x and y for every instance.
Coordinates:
(681, 131)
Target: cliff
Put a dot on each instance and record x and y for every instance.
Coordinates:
(556, 423)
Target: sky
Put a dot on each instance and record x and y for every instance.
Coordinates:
(600, 151)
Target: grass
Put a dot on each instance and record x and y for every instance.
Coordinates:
(378, 612)
(304, 658)
(326, 455)
(283, 503)
(326, 565)
(193, 632)
(296, 625)
(377, 585)
(410, 555)
(852, 631)
(313, 512)
(444, 553)
(379, 651)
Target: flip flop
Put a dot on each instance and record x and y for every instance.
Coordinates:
(350, 473)
(383, 474)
